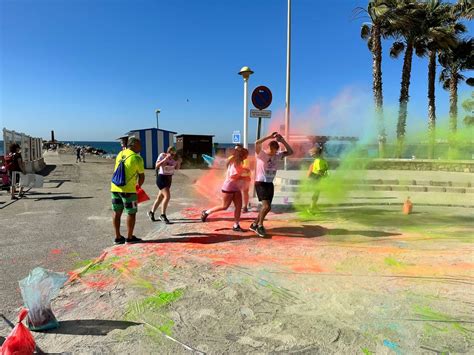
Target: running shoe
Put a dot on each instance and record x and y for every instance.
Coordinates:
(151, 215)
(133, 240)
(253, 227)
(120, 240)
(165, 219)
(204, 216)
(261, 231)
(238, 229)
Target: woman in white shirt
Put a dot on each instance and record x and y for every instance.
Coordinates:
(231, 189)
(166, 164)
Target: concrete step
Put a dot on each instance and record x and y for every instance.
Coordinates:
(358, 198)
(460, 184)
(415, 188)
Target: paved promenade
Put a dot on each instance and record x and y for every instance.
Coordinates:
(352, 279)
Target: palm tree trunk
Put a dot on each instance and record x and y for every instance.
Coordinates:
(377, 86)
(453, 101)
(431, 103)
(404, 96)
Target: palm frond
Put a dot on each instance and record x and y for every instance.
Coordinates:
(365, 31)
(444, 75)
(470, 81)
(396, 49)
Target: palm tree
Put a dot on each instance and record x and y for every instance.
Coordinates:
(408, 33)
(378, 11)
(384, 17)
(437, 32)
(455, 60)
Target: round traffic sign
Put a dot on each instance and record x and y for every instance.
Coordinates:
(261, 97)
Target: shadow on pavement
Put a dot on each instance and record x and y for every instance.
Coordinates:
(59, 182)
(366, 233)
(54, 198)
(90, 327)
(201, 238)
(304, 231)
(311, 231)
(48, 169)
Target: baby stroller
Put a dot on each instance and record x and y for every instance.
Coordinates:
(4, 178)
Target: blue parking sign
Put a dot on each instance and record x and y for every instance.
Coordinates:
(236, 137)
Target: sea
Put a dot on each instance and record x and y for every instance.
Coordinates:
(109, 147)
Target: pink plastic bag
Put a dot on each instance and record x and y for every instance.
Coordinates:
(20, 341)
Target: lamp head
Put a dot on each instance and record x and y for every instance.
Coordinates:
(245, 72)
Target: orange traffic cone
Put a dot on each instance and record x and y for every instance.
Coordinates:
(407, 206)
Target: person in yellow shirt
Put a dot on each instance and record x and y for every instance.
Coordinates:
(125, 197)
(317, 170)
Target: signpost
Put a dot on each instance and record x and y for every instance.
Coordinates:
(236, 137)
(260, 113)
(261, 99)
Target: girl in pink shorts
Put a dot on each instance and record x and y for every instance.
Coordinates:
(231, 189)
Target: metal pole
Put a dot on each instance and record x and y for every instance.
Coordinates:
(157, 126)
(288, 65)
(259, 127)
(246, 118)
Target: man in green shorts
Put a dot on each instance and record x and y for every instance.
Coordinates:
(125, 197)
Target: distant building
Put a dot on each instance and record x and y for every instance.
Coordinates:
(154, 142)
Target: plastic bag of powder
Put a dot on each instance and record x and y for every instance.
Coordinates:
(20, 341)
(37, 290)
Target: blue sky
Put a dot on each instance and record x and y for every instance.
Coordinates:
(93, 69)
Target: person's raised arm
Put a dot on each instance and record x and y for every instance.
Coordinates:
(161, 161)
(289, 150)
(258, 143)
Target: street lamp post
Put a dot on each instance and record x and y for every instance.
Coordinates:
(288, 65)
(157, 112)
(246, 72)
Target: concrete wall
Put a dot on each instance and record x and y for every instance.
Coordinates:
(35, 165)
(465, 166)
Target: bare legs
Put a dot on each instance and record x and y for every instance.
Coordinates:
(266, 207)
(130, 224)
(227, 199)
(162, 199)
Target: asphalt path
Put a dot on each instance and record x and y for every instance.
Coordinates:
(63, 223)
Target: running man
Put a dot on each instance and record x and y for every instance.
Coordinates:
(265, 173)
(125, 197)
(166, 164)
(317, 170)
(231, 189)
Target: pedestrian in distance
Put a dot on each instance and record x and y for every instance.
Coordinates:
(83, 154)
(231, 189)
(124, 198)
(317, 170)
(266, 161)
(78, 154)
(15, 165)
(166, 164)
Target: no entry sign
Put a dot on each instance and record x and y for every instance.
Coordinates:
(261, 97)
